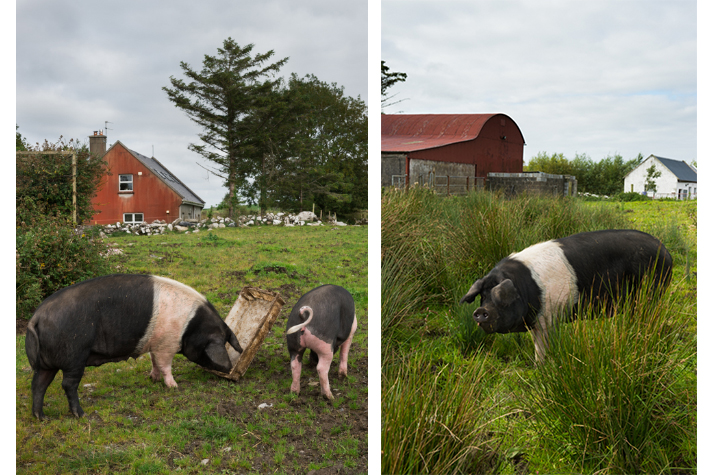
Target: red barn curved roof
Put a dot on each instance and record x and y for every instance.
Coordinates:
(411, 132)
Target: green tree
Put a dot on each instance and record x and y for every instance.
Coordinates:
(388, 79)
(555, 164)
(321, 157)
(21, 144)
(230, 99)
(47, 178)
(605, 177)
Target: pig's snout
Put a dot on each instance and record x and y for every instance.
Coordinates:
(481, 315)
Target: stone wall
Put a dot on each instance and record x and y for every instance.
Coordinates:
(392, 164)
(305, 218)
(533, 182)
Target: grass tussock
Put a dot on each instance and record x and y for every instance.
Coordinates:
(431, 419)
(617, 395)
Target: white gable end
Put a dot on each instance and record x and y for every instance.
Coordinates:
(667, 185)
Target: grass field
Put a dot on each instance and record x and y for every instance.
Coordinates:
(615, 395)
(209, 424)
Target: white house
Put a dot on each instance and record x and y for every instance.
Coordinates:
(678, 179)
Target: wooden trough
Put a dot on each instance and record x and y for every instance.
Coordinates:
(251, 318)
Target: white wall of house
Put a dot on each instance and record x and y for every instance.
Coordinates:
(667, 185)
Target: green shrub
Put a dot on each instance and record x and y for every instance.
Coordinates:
(47, 178)
(50, 256)
(631, 196)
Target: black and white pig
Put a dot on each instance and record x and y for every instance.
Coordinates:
(115, 317)
(323, 320)
(526, 290)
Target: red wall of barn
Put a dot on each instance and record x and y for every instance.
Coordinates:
(150, 195)
(489, 152)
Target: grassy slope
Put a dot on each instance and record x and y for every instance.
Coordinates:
(210, 424)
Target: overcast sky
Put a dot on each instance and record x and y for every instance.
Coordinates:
(82, 63)
(600, 78)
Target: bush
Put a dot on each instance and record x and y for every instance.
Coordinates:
(47, 178)
(50, 256)
(631, 196)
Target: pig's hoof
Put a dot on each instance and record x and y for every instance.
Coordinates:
(329, 396)
(78, 413)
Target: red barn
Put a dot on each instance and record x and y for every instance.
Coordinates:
(139, 188)
(463, 145)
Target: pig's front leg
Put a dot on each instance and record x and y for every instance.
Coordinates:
(162, 364)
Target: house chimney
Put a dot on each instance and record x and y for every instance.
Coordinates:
(97, 143)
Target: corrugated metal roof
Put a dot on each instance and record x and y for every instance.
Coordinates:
(166, 176)
(679, 168)
(411, 132)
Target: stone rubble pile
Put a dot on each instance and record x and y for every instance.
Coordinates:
(305, 218)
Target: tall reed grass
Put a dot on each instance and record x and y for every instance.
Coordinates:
(617, 395)
(432, 417)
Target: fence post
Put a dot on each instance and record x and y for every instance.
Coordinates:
(73, 194)
(448, 181)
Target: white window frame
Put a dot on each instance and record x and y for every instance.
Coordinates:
(122, 181)
(132, 217)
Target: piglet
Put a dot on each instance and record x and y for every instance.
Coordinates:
(115, 317)
(323, 320)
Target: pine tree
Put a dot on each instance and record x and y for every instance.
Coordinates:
(387, 80)
(229, 99)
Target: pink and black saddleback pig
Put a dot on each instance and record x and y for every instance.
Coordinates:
(323, 320)
(115, 317)
(527, 290)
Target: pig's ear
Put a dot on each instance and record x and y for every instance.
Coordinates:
(232, 339)
(472, 292)
(218, 357)
(504, 293)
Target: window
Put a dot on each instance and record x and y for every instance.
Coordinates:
(125, 182)
(132, 218)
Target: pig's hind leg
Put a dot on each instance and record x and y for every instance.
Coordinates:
(324, 360)
(40, 382)
(296, 365)
(70, 384)
(344, 350)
